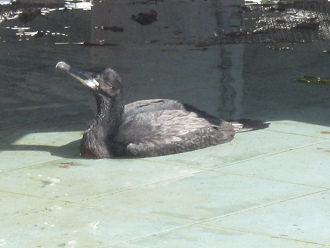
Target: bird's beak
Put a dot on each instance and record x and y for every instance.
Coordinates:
(85, 77)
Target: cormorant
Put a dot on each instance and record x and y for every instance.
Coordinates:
(143, 128)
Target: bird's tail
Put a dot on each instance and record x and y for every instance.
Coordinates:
(245, 125)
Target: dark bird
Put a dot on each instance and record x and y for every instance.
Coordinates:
(143, 128)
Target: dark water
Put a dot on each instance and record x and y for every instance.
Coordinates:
(172, 57)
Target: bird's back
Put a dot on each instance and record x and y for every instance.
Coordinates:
(162, 132)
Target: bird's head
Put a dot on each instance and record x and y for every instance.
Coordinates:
(103, 82)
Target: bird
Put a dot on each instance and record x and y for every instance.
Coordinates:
(144, 128)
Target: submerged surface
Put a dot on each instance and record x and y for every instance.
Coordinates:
(267, 188)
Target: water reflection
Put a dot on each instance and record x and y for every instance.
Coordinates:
(171, 55)
(232, 81)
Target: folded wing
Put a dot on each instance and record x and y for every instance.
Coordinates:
(165, 132)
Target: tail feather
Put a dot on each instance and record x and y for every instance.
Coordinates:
(245, 125)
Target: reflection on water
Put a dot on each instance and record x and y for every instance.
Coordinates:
(161, 49)
(232, 81)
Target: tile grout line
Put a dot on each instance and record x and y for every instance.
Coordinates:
(261, 234)
(303, 135)
(187, 222)
(193, 174)
(217, 169)
(29, 166)
(263, 206)
(81, 202)
(149, 215)
(144, 185)
(236, 162)
(272, 180)
(202, 223)
(150, 235)
(71, 203)
(140, 186)
(272, 154)
(35, 211)
(187, 166)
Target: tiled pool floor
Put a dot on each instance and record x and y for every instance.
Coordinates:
(268, 188)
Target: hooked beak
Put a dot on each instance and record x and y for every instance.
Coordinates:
(85, 77)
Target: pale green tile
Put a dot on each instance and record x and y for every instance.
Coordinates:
(307, 166)
(301, 128)
(21, 155)
(13, 205)
(49, 138)
(79, 226)
(245, 146)
(208, 237)
(27, 146)
(202, 196)
(79, 179)
(306, 219)
(17, 159)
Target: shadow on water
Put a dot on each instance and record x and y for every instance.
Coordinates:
(161, 49)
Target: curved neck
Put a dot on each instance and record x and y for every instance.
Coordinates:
(109, 114)
(98, 139)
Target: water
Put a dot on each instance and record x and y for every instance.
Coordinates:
(173, 57)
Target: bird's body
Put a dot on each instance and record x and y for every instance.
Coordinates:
(169, 130)
(143, 128)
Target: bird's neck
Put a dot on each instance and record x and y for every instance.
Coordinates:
(98, 139)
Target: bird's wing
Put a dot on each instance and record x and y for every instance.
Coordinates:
(143, 106)
(170, 131)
